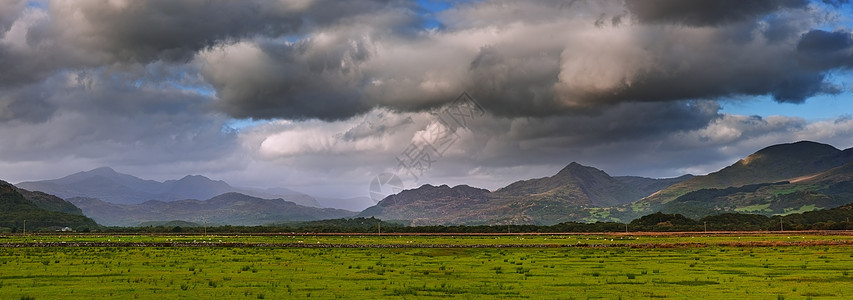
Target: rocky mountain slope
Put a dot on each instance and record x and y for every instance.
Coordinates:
(566, 196)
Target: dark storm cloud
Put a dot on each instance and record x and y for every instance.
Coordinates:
(620, 123)
(521, 86)
(286, 82)
(821, 49)
(728, 60)
(336, 59)
(27, 105)
(20, 68)
(112, 122)
(143, 31)
(9, 11)
(170, 30)
(705, 13)
(529, 59)
(825, 42)
(95, 33)
(798, 89)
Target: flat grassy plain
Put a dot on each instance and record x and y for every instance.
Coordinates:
(629, 266)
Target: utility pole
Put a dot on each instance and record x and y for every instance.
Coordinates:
(25, 227)
(380, 227)
(706, 225)
(626, 227)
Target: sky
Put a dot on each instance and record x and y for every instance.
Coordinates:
(325, 97)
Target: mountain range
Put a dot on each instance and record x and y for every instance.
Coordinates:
(779, 179)
(565, 196)
(115, 199)
(108, 185)
(226, 209)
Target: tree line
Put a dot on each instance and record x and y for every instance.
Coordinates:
(829, 219)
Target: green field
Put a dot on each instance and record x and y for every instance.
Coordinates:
(717, 266)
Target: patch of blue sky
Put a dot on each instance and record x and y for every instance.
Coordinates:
(844, 11)
(430, 10)
(206, 91)
(200, 89)
(293, 38)
(435, 5)
(822, 107)
(240, 124)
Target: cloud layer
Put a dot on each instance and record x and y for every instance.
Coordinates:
(333, 60)
(535, 58)
(339, 88)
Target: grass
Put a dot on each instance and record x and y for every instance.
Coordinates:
(802, 209)
(792, 188)
(710, 270)
(754, 208)
(632, 238)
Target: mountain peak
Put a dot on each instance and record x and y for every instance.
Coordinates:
(195, 177)
(431, 192)
(802, 154)
(576, 169)
(571, 167)
(102, 170)
(804, 148)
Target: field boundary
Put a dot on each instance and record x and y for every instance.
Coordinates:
(404, 246)
(611, 233)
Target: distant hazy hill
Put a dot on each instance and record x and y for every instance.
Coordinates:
(50, 202)
(228, 208)
(565, 196)
(353, 204)
(110, 186)
(170, 224)
(15, 208)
